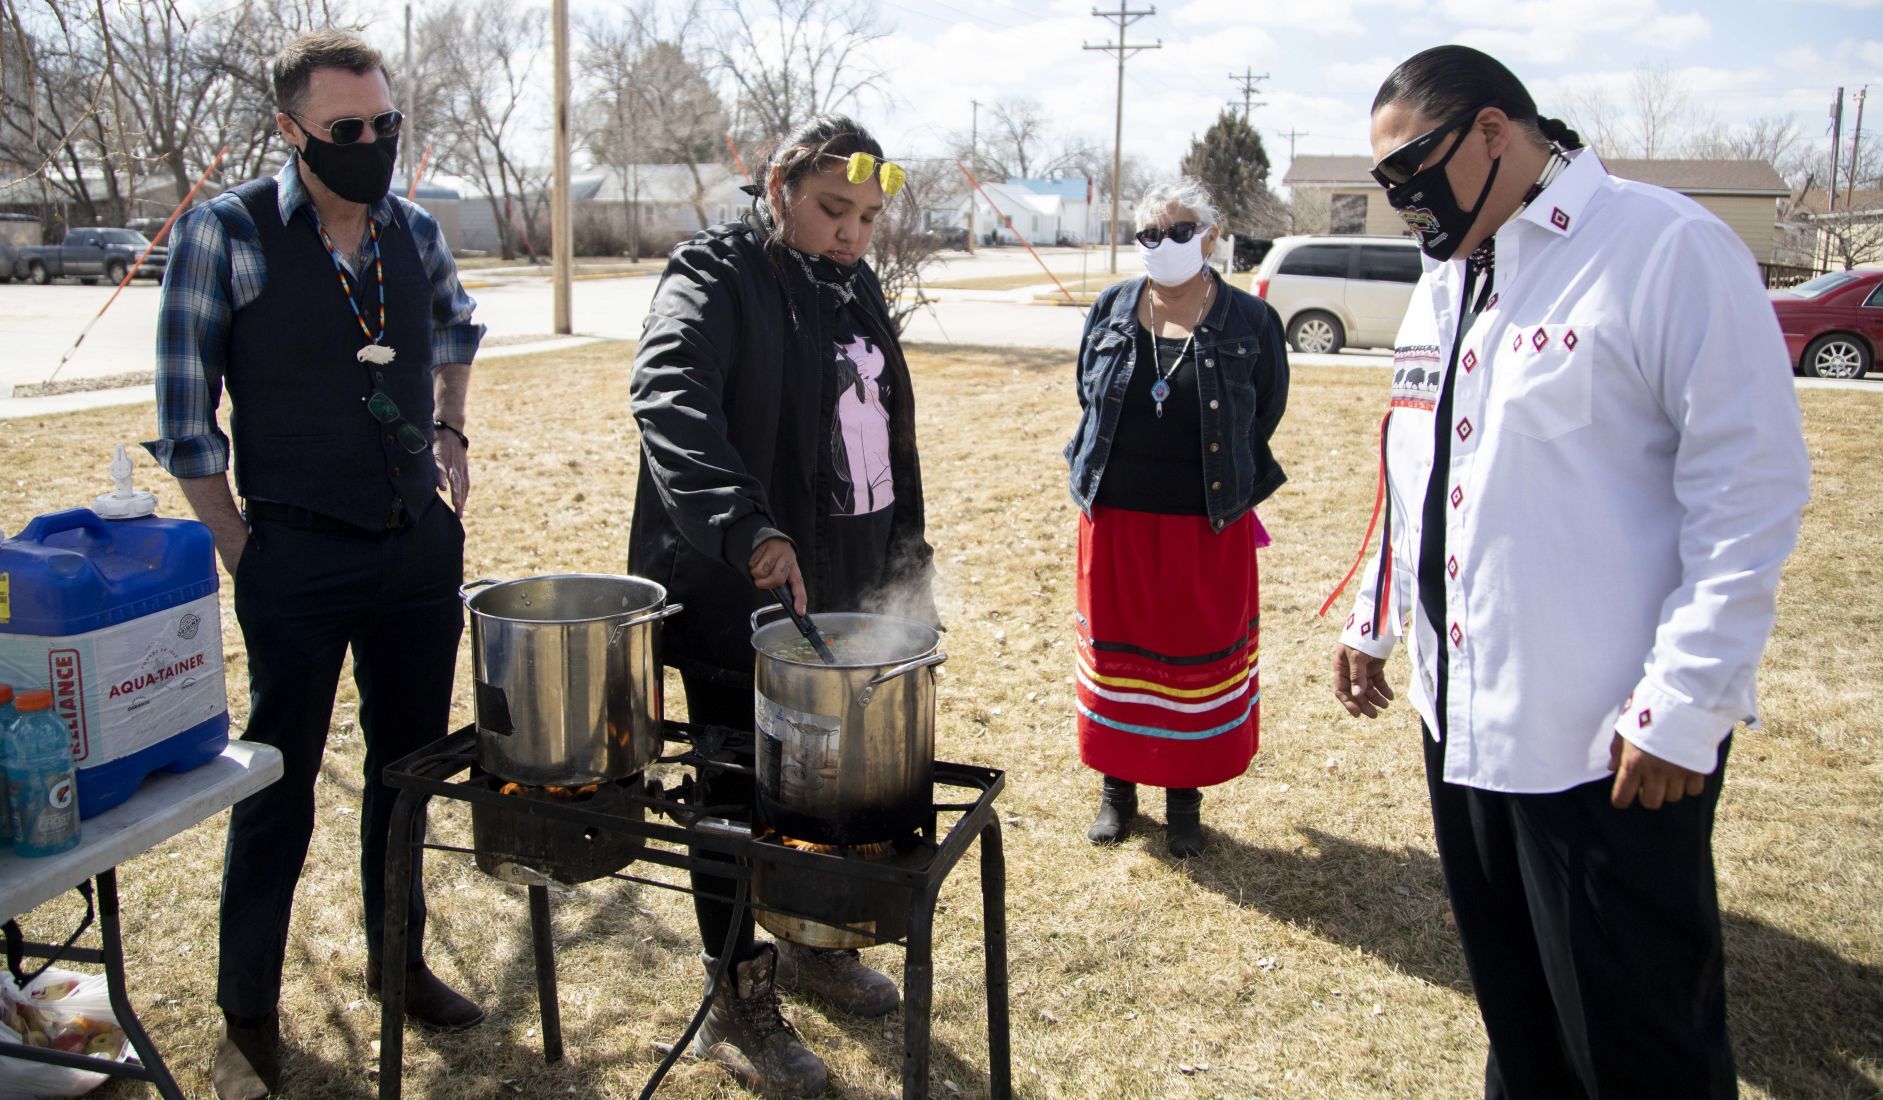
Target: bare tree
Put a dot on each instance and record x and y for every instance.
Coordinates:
(1852, 236)
(1022, 142)
(1652, 122)
(486, 51)
(790, 60)
(649, 100)
(903, 245)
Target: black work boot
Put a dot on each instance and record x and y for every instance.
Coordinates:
(1117, 805)
(1183, 821)
(745, 1032)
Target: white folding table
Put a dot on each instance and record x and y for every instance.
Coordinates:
(164, 806)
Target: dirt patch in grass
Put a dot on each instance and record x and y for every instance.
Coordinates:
(1306, 954)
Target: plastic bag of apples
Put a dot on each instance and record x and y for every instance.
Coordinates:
(64, 1011)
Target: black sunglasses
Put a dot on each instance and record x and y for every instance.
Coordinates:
(1181, 232)
(386, 411)
(346, 131)
(1403, 163)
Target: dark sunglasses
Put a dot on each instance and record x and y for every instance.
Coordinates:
(346, 131)
(1181, 232)
(1403, 163)
(386, 411)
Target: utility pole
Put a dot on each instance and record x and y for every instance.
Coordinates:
(1291, 135)
(405, 147)
(561, 221)
(1856, 139)
(1248, 78)
(1830, 189)
(974, 158)
(1124, 18)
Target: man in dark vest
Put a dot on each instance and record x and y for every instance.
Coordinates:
(333, 314)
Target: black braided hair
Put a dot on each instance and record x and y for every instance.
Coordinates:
(1445, 81)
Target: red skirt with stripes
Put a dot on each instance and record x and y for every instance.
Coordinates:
(1168, 649)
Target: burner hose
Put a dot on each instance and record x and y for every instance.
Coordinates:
(722, 966)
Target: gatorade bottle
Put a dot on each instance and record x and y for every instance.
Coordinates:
(43, 782)
(7, 715)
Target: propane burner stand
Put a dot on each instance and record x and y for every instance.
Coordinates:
(438, 771)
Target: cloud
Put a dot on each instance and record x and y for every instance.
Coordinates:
(1674, 32)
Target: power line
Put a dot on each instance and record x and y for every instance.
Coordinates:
(1124, 17)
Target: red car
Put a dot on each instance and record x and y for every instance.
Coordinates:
(1833, 324)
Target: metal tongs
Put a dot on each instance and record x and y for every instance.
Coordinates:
(804, 624)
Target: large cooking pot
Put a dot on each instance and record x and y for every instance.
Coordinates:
(568, 677)
(846, 752)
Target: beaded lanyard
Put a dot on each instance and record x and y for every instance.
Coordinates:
(346, 283)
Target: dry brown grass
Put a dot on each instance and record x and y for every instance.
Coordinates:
(1306, 954)
(1095, 280)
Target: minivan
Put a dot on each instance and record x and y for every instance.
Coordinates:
(1340, 292)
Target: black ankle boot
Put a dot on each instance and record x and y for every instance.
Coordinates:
(1183, 821)
(1117, 804)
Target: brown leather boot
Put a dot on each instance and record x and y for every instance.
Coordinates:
(428, 1000)
(838, 976)
(248, 1059)
(745, 1032)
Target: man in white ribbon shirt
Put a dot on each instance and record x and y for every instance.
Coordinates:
(1595, 471)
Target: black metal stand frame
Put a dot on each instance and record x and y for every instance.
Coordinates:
(109, 954)
(431, 773)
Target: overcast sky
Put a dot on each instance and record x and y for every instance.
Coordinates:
(1326, 58)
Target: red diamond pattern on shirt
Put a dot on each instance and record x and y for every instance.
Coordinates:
(1559, 219)
(1647, 717)
(1471, 361)
(1457, 495)
(1625, 703)
(1350, 619)
(1366, 629)
(1541, 340)
(1464, 429)
(1451, 568)
(1492, 304)
(1457, 635)
(1516, 343)
(1569, 339)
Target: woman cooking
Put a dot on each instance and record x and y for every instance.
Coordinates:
(778, 452)
(1182, 379)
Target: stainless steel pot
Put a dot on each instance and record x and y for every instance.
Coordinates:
(568, 676)
(846, 752)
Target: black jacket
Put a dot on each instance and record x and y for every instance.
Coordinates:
(729, 390)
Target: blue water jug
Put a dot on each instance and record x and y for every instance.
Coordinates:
(120, 618)
(7, 715)
(41, 780)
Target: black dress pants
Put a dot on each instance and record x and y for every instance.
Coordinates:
(304, 598)
(1593, 938)
(715, 704)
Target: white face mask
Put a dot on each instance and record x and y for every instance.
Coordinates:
(1173, 264)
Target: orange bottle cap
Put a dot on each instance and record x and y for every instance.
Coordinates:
(29, 701)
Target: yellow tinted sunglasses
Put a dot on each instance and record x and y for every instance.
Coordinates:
(859, 167)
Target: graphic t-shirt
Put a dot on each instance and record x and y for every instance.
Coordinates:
(858, 474)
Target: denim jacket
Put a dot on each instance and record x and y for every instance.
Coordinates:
(1242, 380)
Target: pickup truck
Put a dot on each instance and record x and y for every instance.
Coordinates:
(90, 254)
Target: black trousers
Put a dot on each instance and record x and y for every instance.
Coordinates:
(1593, 938)
(714, 704)
(304, 598)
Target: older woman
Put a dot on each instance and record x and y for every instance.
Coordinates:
(1182, 379)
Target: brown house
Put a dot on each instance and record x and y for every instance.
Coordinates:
(1338, 195)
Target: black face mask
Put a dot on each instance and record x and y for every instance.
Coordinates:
(1430, 209)
(359, 172)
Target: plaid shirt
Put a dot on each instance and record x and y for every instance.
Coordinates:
(216, 268)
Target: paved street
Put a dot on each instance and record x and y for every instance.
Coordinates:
(38, 324)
